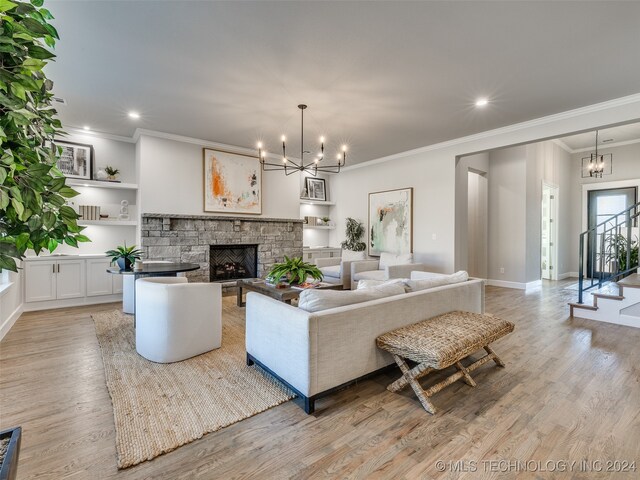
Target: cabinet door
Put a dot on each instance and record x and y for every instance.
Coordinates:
(99, 282)
(40, 281)
(70, 281)
(117, 283)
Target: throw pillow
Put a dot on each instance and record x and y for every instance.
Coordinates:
(387, 259)
(363, 284)
(316, 300)
(415, 275)
(424, 284)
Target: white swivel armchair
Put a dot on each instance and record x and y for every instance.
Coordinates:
(176, 320)
(388, 266)
(128, 282)
(338, 270)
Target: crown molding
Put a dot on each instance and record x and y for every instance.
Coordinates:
(202, 143)
(562, 145)
(606, 146)
(93, 133)
(597, 107)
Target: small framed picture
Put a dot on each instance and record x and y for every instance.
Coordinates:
(316, 189)
(76, 159)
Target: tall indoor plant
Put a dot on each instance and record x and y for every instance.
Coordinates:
(354, 231)
(33, 192)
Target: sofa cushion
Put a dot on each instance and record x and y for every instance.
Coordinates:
(362, 284)
(387, 259)
(415, 275)
(333, 271)
(316, 300)
(424, 284)
(370, 275)
(349, 256)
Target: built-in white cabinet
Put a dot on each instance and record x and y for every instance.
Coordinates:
(68, 281)
(99, 282)
(53, 280)
(312, 254)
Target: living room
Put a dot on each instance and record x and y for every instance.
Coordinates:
(471, 134)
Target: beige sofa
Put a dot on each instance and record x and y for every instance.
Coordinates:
(315, 353)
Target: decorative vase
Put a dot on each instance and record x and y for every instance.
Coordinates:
(124, 263)
(101, 174)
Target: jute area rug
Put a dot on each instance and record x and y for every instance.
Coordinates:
(159, 407)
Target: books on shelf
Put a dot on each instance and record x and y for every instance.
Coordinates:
(89, 212)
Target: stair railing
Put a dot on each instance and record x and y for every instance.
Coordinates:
(616, 234)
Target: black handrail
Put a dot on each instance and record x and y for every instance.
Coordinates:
(615, 229)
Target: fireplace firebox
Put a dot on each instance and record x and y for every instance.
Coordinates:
(232, 262)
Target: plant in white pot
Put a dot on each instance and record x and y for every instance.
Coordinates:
(354, 231)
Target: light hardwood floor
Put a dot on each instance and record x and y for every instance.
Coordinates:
(570, 392)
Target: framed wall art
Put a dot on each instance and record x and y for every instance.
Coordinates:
(75, 160)
(232, 182)
(391, 222)
(316, 189)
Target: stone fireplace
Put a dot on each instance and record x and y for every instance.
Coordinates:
(190, 238)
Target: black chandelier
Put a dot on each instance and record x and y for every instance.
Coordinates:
(597, 165)
(314, 167)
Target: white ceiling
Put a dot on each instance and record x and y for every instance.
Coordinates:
(383, 77)
(606, 136)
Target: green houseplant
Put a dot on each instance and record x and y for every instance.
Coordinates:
(354, 231)
(111, 172)
(295, 270)
(616, 242)
(124, 256)
(33, 192)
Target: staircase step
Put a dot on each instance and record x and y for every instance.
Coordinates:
(606, 296)
(583, 306)
(631, 311)
(632, 281)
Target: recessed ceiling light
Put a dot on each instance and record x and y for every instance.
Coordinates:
(87, 128)
(481, 102)
(135, 115)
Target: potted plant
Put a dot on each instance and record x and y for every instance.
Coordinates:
(354, 232)
(295, 270)
(124, 256)
(111, 172)
(326, 220)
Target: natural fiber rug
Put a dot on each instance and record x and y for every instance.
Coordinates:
(159, 407)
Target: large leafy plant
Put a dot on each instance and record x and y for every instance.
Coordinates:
(33, 192)
(295, 270)
(354, 231)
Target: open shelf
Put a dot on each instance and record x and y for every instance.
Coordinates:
(128, 223)
(319, 227)
(78, 182)
(309, 201)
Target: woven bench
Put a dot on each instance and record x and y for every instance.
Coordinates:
(441, 342)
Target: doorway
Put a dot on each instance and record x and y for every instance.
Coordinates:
(549, 233)
(602, 205)
(477, 223)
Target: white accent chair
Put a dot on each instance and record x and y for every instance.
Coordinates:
(338, 270)
(176, 320)
(128, 295)
(388, 266)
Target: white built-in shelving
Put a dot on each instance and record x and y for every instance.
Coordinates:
(108, 222)
(319, 227)
(78, 182)
(310, 201)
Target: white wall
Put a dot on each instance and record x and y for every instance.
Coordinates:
(170, 181)
(431, 171)
(478, 224)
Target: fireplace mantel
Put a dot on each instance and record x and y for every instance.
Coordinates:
(187, 238)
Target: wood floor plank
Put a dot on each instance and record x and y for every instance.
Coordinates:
(569, 392)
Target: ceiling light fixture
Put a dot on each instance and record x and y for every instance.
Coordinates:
(312, 167)
(481, 102)
(596, 165)
(134, 115)
(87, 128)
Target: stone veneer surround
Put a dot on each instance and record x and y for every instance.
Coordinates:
(186, 238)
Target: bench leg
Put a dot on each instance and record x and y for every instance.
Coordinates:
(465, 375)
(420, 393)
(493, 355)
(416, 372)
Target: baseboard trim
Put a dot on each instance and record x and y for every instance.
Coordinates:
(564, 276)
(532, 285)
(505, 284)
(8, 323)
